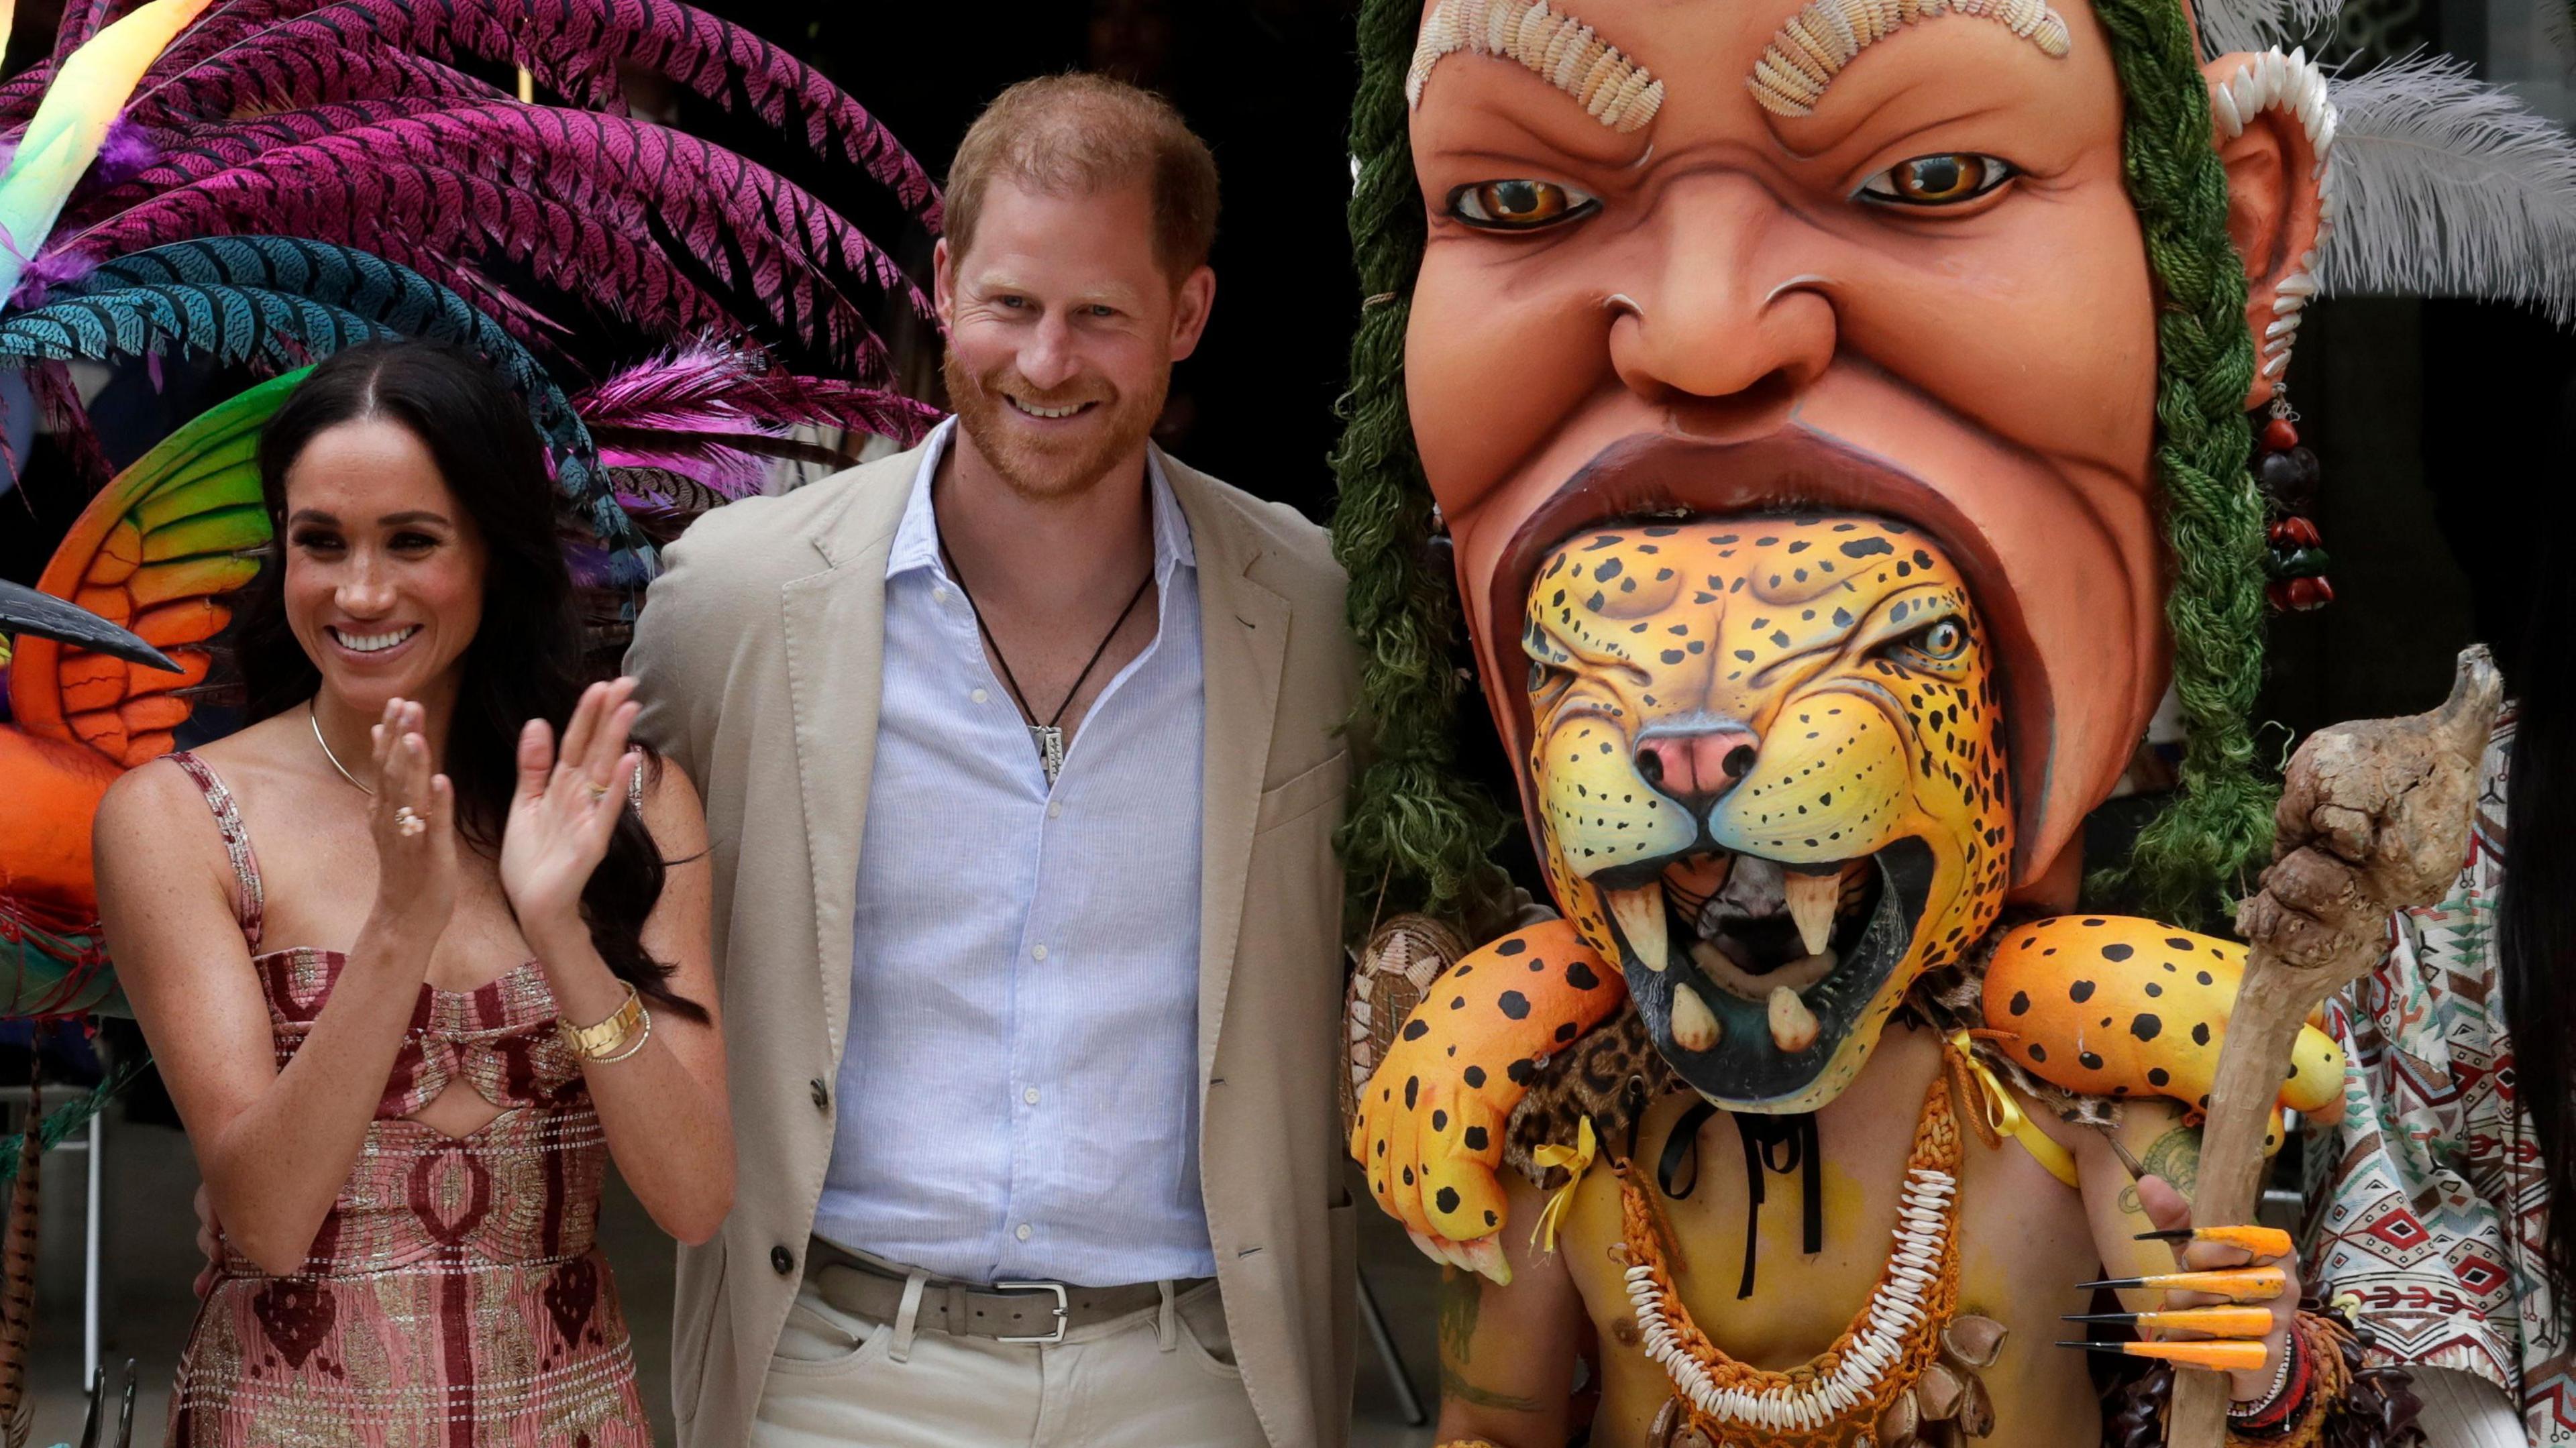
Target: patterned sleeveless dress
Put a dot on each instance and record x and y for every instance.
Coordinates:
(453, 1297)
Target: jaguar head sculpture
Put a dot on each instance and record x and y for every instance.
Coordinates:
(1768, 764)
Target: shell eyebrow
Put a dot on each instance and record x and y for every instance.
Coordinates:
(1556, 47)
(1813, 46)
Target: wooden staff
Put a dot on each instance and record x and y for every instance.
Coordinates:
(2374, 819)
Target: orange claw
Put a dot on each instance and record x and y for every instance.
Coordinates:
(2236, 1284)
(2256, 1241)
(2219, 1356)
(2215, 1321)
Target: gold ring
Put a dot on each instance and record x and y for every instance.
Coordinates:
(598, 792)
(408, 820)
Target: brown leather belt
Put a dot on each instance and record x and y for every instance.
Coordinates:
(1030, 1312)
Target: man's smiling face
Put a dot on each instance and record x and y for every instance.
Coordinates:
(1927, 297)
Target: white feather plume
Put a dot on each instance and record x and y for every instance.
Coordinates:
(2447, 187)
(2232, 25)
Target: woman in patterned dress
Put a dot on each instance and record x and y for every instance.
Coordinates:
(2441, 1199)
(413, 974)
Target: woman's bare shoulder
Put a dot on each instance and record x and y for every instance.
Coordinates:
(142, 804)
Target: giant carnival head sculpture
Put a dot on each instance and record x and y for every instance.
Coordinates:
(1838, 412)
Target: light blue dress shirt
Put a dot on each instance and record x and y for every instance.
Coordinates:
(1019, 1090)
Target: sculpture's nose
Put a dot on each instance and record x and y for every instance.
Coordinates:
(1697, 763)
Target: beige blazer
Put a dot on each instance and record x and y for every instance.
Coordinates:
(759, 653)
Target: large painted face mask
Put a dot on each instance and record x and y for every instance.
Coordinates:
(1771, 784)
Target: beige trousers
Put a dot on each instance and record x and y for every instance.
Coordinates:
(1161, 1378)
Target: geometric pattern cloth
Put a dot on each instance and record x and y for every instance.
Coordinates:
(455, 1296)
(2429, 1202)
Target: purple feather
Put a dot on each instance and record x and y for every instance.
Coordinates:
(571, 47)
(581, 196)
(708, 385)
(126, 151)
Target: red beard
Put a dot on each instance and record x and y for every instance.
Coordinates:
(1040, 468)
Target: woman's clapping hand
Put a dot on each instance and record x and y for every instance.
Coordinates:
(411, 813)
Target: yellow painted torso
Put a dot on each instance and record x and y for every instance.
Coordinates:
(2024, 1235)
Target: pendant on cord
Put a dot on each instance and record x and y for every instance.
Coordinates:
(1050, 741)
(1049, 736)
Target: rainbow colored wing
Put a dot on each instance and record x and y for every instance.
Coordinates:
(160, 551)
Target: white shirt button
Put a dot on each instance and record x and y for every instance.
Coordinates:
(1021, 1231)
(1030, 1096)
(979, 696)
(939, 594)
(1037, 952)
(1055, 809)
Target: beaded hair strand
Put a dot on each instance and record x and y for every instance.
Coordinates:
(1417, 834)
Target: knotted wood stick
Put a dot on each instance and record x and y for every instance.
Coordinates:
(2374, 819)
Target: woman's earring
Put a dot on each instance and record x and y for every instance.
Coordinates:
(2286, 474)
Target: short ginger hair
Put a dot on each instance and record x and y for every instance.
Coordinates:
(1077, 134)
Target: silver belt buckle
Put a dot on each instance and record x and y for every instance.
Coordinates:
(1063, 1309)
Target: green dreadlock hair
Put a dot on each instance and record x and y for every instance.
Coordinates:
(1418, 834)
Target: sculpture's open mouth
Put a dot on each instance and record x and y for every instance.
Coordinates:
(1751, 973)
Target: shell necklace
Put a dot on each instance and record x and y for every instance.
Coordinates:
(1864, 1383)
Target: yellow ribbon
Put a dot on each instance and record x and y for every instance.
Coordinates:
(1576, 1159)
(2004, 1114)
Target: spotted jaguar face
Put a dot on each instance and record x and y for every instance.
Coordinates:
(1771, 782)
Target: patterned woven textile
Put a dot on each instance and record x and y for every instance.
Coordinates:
(453, 1297)
(2430, 1203)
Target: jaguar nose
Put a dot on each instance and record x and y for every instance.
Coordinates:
(1696, 764)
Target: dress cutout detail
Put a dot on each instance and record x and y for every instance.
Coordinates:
(454, 1297)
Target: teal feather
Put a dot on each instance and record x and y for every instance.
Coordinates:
(225, 272)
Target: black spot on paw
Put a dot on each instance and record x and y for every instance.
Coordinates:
(1475, 1078)
(1415, 1030)
(1510, 947)
(2118, 952)
(2080, 992)
(1474, 1137)
(2147, 1026)
(1581, 977)
(2200, 1033)
(1515, 1005)
(2021, 1003)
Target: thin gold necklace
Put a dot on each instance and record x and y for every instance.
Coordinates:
(315, 718)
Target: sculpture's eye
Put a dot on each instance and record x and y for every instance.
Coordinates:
(1941, 642)
(1519, 205)
(1943, 180)
(1547, 680)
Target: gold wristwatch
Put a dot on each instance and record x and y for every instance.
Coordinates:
(601, 1042)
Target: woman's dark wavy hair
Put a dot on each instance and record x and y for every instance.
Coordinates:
(2537, 915)
(525, 661)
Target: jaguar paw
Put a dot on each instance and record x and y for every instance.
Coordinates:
(1429, 1126)
(2116, 1006)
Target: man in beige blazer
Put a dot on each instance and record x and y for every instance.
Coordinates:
(796, 658)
